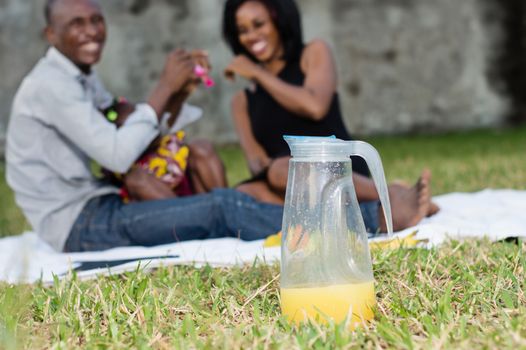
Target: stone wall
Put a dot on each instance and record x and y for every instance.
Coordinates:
(415, 65)
(404, 65)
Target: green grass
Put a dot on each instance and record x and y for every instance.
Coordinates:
(11, 219)
(460, 161)
(467, 295)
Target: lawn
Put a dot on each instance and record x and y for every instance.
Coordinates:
(466, 295)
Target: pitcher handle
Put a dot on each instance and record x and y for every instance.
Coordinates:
(344, 245)
(374, 162)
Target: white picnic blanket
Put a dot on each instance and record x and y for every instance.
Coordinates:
(495, 214)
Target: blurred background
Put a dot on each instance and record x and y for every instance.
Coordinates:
(404, 66)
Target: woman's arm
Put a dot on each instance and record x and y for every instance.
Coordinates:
(255, 155)
(313, 99)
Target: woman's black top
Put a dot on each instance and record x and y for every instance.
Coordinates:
(270, 121)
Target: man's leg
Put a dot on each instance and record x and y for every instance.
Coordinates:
(245, 217)
(221, 213)
(106, 223)
(96, 227)
(149, 223)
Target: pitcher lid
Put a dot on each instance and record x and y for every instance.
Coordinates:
(318, 148)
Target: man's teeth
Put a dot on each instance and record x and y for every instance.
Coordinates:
(91, 46)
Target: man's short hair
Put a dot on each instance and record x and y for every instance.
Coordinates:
(48, 10)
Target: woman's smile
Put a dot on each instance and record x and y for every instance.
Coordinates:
(259, 47)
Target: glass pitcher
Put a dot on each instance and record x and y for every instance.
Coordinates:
(326, 269)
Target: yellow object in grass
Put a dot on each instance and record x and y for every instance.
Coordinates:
(408, 241)
(273, 240)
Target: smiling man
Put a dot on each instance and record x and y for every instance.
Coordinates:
(56, 129)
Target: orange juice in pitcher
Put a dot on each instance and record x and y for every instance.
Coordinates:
(352, 302)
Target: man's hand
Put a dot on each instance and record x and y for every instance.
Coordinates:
(123, 110)
(178, 70)
(177, 73)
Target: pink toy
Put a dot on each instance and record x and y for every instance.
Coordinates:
(203, 74)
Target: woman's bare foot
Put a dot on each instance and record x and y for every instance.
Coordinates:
(433, 207)
(409, 205)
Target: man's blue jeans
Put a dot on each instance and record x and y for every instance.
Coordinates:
(106, 222)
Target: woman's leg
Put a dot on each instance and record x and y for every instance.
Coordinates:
(261, 191)
(277, 175)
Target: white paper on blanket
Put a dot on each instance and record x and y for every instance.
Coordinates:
(495, 214)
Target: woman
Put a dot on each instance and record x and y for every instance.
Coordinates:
(294, 92)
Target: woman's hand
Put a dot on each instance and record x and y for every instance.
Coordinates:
(200, 57)
(242, 66)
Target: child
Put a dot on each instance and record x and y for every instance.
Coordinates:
(164, 169)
